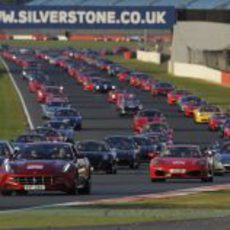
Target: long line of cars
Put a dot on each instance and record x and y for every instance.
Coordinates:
(152, 139)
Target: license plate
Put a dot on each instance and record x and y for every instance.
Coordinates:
(177, 171)
(34, 187)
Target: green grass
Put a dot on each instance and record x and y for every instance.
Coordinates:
(207, 200)
(12, 118)
(199, 206)
(64, 44)
(79, 217)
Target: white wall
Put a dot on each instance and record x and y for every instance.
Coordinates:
(196, 71)
(22, 37)
(147, 56)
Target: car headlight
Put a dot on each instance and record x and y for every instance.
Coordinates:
(8, 168)
(113, 87)
(140, 107)
(97, 87)
(66, 167)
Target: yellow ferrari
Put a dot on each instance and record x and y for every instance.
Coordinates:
(204, 113)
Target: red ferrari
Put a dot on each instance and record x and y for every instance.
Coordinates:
(48, 91)
(113, 95)
(45, 167)
(217, 120)
(145, 117)
(175, 95)
(182, 162)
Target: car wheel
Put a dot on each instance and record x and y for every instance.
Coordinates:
(112, 170)
(6, 192)
(134, 165)
(86, 189)
(208, 178)
(78, 127)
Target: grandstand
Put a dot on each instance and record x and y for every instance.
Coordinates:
(179, 4)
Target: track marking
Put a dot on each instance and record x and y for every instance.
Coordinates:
(168, 194)
(26, 112)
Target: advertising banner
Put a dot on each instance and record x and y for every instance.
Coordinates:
(79, 17)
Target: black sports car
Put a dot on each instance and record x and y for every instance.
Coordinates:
(126, 150)
(101, 157)
(104, 86)
(146, 147)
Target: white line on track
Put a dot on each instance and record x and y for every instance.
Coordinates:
(28, 117)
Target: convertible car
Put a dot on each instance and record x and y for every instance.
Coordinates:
(181, 161)
(46, 167)
(204, 113)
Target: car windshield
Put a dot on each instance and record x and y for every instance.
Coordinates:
(156, 127)
(58, 104)
(121, 143)
(64, 113)
(210, 109)
(131, 101)
(30, 138)
(164, 85)
(58, 125)
(226, 149)
(182, 152)
(142, 141)
(46, 152)
(190, 98)
(3, 150)
(92, 147)
(151, 113)
(55, 90)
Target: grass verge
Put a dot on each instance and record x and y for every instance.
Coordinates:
(206, 200)
(199, 206)
(12, 118)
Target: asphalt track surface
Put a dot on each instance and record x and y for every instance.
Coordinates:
(99, 120)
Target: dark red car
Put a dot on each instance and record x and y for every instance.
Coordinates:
(35, 84)
(148, 84)
(46, 167)
(145, 117)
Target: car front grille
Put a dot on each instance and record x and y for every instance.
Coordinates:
(34, 180)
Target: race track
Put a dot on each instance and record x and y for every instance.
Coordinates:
(101, 119)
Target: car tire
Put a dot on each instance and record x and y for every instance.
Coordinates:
(78, 127)
(6, 192)
(86, 189)
(112, 170)
(134, 165)
(208, 177)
